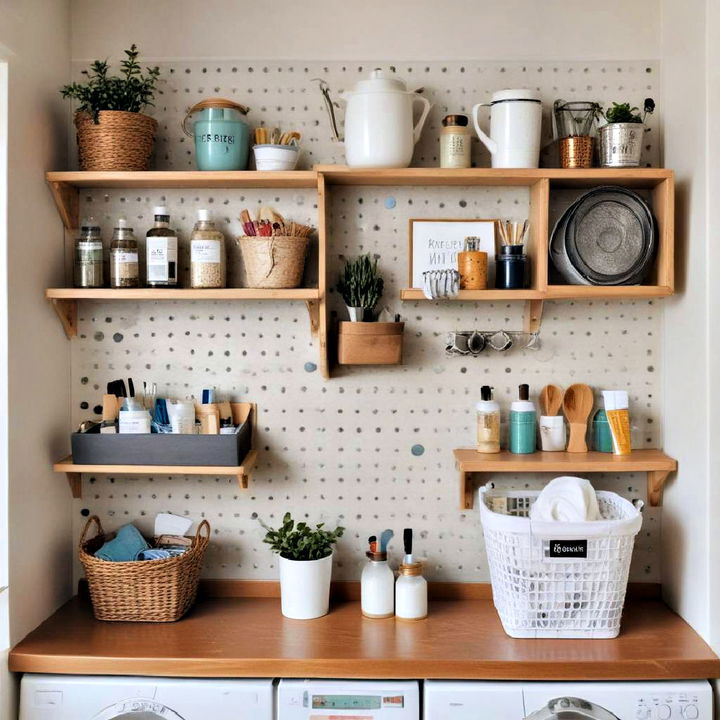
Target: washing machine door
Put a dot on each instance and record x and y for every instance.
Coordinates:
(138, 709)
(571, 708)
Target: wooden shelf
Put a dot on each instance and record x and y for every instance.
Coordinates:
(655, 463)
(74, 472)
(633, 177)
(461, 639)
(615, 292)
(475, 295)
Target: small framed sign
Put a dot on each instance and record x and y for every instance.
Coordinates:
(434, 245)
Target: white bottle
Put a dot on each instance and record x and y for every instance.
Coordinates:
(411, 593)
(377, 584)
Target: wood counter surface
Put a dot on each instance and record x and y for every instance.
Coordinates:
(462, 638)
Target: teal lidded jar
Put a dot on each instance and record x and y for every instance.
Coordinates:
(523, 424)
(222, 136)
(602, 437)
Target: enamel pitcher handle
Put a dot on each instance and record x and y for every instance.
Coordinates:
(487, 141)
(417, 130)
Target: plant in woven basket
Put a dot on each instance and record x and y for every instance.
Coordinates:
(131, 91)
(624, 113)
(361, 286)
(299, 541)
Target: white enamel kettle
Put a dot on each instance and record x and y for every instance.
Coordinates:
(515, 121)
(379, 131)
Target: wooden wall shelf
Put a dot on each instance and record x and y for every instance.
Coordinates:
(540, 183)
(655, 463)
(246, 636)
(74, 472)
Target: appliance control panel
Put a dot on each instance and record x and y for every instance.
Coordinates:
(670, 706)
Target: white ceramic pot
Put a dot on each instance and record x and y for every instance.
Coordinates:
(305, 587)
(379, 130)
(515, 121)
(276, 157)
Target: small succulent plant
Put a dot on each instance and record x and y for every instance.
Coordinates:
(360, 284)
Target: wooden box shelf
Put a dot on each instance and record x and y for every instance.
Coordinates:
(655, 463)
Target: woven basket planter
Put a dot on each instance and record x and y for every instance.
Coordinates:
(142, 590)
(273, 262)
(120, 141)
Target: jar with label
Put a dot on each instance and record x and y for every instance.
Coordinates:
(455, 142)
(88, 265)
(161, 251)
(207, 254)
(124, 265)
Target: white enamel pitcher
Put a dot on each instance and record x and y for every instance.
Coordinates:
(515, 121)
(379, 130)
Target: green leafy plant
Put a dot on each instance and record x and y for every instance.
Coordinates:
(300, 541)
(131, 91)
(360, 284)
(623, 113)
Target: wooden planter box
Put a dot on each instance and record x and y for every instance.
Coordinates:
(370, 343)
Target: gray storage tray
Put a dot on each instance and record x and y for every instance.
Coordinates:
(94, 448)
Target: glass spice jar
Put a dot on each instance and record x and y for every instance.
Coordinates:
(124, 265)
(161, 251)
(208, 262)
(88, 265)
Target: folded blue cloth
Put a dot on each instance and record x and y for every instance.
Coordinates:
(127, 544)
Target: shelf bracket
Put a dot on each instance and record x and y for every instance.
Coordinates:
(655, 484)
(466, 491)
(313, 307)
(67, 199)
(246, 470)
(75, 481)
(532, 316)
(67, 311)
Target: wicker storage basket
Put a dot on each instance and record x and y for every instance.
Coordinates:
(142, 591)
(273, 262)
(120, 141)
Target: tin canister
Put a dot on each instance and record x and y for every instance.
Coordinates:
(221, 134)
(621, 144)
(602, 437)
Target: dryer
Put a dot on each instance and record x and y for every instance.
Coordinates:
(78, 697)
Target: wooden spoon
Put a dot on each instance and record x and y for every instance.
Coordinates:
(551, 399)
(578, 404)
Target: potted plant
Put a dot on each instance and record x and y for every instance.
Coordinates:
(112, 131)
(621, 139)
(363, 340)
(306, 556)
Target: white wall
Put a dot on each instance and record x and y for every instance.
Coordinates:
(368, 30)
(34, 38)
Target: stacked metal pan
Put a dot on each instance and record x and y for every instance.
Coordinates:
(607, 236)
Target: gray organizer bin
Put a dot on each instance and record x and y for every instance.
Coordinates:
(93, 448)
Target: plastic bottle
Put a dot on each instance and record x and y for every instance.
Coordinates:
(377, 584)
(488, 422)
(182, 417)
(411, 592)
(523, 424)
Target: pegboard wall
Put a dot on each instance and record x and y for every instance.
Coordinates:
(372, 447)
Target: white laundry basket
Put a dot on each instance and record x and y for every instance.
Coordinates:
(557, 579)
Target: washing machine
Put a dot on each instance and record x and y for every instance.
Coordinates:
(348, 699)
(77, 697)
(636, 700)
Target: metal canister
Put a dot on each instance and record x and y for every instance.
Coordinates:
(621, 144)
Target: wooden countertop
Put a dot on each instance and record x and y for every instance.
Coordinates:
(462, 638)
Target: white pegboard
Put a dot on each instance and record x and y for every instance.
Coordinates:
(344, 449)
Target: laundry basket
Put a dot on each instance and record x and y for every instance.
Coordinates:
(556, 579)
(142, 590)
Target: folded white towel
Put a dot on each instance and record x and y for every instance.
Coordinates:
(566, 499)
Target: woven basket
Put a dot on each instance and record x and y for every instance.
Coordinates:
(273, 262)
(142, 591)
(120, 141)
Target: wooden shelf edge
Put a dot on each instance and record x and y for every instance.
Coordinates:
(655, 463)
(553, 292)
(475, 295)
(303, 294)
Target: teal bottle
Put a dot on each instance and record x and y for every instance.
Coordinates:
(602, 437)
(523, 424)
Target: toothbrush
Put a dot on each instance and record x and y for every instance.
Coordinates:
(407, 542)
(385, 537)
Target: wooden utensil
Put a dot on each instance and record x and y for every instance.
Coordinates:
(578, 404)
(551, 399)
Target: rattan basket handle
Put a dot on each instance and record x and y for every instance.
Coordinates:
(204, 525)
(92, 519)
